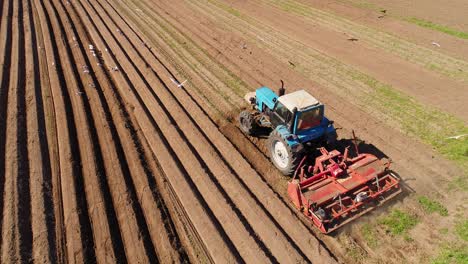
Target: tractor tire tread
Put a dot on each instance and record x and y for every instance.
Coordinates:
(295, 156)
(247, 122)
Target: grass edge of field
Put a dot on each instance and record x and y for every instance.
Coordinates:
(437, 27)
(413, 20)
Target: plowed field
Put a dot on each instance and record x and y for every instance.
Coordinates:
(105, 158)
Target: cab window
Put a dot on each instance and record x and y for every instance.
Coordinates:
(310, 119)
(283, 112)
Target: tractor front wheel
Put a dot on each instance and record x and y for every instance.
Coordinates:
(247, 122)
(282, 155)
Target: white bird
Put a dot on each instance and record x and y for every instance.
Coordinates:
(458, 137)
(178, 84)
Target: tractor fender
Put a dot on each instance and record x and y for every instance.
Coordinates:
(292, 140)
(250, 98)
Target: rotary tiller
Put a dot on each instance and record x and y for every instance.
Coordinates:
(337, 188)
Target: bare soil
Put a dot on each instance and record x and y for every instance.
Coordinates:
(451, 13)
(104, 158)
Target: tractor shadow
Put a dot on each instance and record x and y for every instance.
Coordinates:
(380, 208)
(363, 147)
(262, 132)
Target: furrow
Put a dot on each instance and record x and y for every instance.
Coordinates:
(11, 236)
(42, 214)
(141, 155)
(133, 157)
(186, 70)
(106, 228)
(220, 247)
(6, 55)
(137, 246)
(130, 184)
(47, 137)
(163, 116)
(76, 221)
(226, 89)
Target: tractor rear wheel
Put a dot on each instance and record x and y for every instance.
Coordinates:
(281, 154)
(247, 122)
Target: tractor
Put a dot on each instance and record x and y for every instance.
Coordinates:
(295, 121)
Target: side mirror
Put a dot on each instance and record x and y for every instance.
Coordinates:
(331, 122)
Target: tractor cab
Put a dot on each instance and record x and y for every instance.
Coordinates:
(299, 110)
(300, 114)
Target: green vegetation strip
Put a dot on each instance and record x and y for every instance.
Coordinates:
(456, 252)
(437, 27)
(370, 6)
(452, 255)
(399, 222)
(370, 235)
(414, 20)
(462, 230)
(433, 127)
(431, 206)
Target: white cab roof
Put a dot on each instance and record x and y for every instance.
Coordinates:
(300, 99)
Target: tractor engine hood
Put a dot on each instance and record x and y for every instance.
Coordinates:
(316, 132)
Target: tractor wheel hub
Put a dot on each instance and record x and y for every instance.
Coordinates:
(280, 154)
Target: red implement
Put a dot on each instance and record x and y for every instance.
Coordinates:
(338, 189)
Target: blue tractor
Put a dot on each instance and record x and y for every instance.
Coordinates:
(295, 121)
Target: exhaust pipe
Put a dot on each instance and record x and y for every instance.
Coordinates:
(281, 90)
